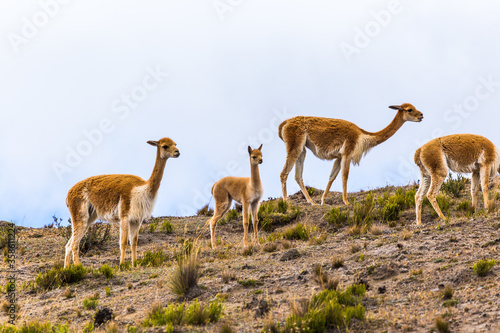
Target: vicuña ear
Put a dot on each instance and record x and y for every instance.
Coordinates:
(395, 107)
(153, 143)
(249, 150)
(260, 148)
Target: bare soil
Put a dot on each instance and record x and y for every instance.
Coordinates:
(404, 267)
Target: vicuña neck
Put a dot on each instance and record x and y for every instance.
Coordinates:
(254, 175)
(157, 174)
(386, 133)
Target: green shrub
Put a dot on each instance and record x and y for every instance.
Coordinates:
(153, 225)
(298, 232)
(198, 314)
(4, 236)
(329, 309)
(231, 215)
(482, 267)
(167, 226)
(276, 212)
(153, 258)
(390, 212)
(179, 314)
(310, 190)
(91, 302)
(59, 276)
(392, 206)
(454, 187)
(107, 271)
(443, 203)
(337, 216)
(34, 327)
(362, 212)
(466, 207)
(125, 266)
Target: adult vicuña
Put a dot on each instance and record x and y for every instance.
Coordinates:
(116, 198)
(244, 190)
(463, 153)
(337, 139)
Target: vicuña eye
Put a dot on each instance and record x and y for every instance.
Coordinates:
(165, 147)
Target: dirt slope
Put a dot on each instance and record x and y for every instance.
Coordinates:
(405, 269)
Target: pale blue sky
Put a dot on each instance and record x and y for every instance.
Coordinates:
(216, 76)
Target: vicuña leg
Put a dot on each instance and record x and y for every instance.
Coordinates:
(133, 235)
(294, 147)
(299, 169)
(485, 181)
(123, 238)
(436, 182)
(254, 208)
(221, 207)
(333, 175)
(346, 164)
(245, 213)
(67, 257)
(425, 183)
(80, 225)
(475, 184)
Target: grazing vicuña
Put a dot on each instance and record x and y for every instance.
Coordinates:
(463, 153)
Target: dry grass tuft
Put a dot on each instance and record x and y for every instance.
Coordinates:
(185, 275)
(227, 276)
(337, 262)
(355, 248)
(442, 326)
(270, 247)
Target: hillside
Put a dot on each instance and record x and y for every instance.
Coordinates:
(406, 270)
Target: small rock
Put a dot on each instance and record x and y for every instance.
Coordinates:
(228, 288)
(290, 255)
(382, 290)
(102, 316)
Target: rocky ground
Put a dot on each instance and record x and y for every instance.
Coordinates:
(404, 267)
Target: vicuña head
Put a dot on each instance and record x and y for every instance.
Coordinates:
(116, 198)
(334, 139)
(245, 190)
(410, 113)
